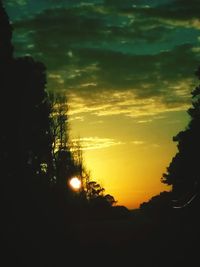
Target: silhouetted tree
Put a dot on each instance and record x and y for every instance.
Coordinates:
(67, 155)
(183, 172)
(59, 121)
(63, 159)
(81, 172)
(33, 122)
(96, 196)
(95, 190)
(25, 154)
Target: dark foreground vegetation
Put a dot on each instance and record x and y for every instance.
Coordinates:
(45, 223)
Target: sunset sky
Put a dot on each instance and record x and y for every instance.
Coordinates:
(127, 67)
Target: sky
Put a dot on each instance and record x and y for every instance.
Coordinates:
(127, 67)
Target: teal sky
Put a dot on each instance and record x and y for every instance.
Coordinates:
(128, 69)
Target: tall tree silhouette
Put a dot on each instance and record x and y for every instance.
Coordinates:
(25, 140)
(67, 155)
(25, 155)
(62, 157)
(183, 173)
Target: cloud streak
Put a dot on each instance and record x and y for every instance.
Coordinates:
(94, 142)
(124, 104)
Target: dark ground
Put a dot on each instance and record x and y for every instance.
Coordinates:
(134, 241)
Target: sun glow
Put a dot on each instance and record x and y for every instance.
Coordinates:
(75, 183)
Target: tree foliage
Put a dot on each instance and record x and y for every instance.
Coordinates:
(183, 172)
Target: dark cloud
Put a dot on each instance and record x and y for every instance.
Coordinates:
(54, 31)
(95, 25)
(61, 28)
(177, 10)
(90, 49)
(148, 75)
(119, 3)
(97, 74)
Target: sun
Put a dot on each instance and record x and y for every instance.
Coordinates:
(75, 183)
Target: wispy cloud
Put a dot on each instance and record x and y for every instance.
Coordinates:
(145, 121)
(94, 142)
(127, 103)
(17, 2)
(137, 142)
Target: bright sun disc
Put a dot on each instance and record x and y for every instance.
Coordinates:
(75, 183)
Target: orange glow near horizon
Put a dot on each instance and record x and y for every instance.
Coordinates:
(130, 180)
(129, 162)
